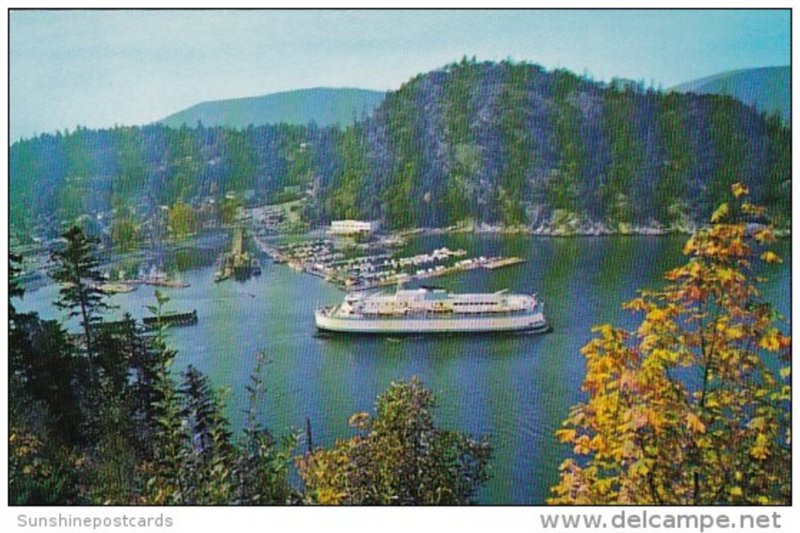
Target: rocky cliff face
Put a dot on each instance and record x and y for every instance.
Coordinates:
(512, 144)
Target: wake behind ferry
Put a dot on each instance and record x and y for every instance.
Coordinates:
(433, 310)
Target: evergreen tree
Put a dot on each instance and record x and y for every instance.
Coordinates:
(42, 366)
(15, 290)
(115, 343)
(44, 418)
(400, 457)
(201, 412)
(144, 365)
(209, 456)
(263, 464)
(165, 484)
(76, 270)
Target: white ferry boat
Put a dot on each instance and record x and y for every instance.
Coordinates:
(433, 310)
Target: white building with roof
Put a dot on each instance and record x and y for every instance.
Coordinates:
(353, 227)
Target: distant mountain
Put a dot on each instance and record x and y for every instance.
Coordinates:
(768, 88)
(325, 106)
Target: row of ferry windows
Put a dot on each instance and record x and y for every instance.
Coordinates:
(373, 304)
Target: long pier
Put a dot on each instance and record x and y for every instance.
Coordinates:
(175, 318)
(125, 325)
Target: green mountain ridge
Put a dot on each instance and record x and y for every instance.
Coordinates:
(768, 89)
(324, 106)
(499, 144)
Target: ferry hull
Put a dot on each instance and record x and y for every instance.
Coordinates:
(530, 322)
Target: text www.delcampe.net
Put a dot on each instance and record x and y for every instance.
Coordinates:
(684, 521)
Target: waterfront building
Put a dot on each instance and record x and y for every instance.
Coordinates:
(353, 227)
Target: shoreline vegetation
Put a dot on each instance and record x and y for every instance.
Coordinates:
(200, 238)
(587, 230)
(597, 229)
(648, 433)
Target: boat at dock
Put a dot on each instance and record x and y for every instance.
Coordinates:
(170, 283)
(117, 288)
(433, 310)
(158, 278)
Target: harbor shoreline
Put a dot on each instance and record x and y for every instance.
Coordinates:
(598, 230)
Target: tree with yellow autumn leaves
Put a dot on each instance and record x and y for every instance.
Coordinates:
(692, 407)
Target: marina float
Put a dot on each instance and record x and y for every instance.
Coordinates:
(174, 318)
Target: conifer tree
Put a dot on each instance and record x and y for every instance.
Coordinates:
(163, 471)
(209, 455)
(76, 269)
(400, 457)
(263, 464)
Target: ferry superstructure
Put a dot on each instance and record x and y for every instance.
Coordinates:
(433, 310)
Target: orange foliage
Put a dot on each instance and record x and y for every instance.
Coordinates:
(687, 408)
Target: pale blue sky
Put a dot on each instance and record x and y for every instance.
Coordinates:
(100, 68)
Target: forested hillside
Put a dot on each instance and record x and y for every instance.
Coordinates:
(497, 143)
(133, 171)
(512, 144)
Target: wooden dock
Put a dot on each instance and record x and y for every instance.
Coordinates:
(115, 327)
(172, 319)
(502, 262)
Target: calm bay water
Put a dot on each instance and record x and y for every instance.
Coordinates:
(514, 388)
